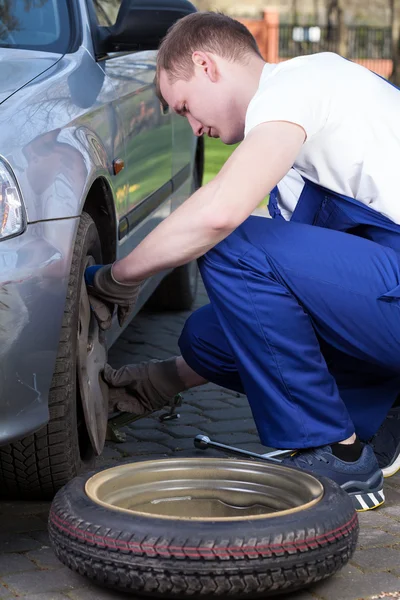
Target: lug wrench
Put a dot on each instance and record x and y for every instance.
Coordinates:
(202, 442)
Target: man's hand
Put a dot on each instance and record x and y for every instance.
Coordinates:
(104, 292)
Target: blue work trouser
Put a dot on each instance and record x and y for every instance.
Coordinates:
(305, 320)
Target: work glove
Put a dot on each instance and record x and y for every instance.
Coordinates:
(104, 292)
(144, 387)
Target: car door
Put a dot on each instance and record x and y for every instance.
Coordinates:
(144, 190)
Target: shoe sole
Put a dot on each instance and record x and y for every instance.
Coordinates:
(393, 468)
(369, 494)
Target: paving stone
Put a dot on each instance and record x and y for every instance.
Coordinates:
(21, 524)
(392, 504)
(376, 518)
(186, 419)
(184, 431)
(243, 425)
(139, 448)
(377, 558)
(383, 596)
(355, 586)
(111, 453)
(44, 558)
(40, 582)
(24, 508)
(211, 387)
(211, 394)
(149, 435)
(14, 543)
(180, 444)
(396, 572)
(49, 596)
(189, 409)
(371, 536)
(394, 481)
(204, 404)
(41, 536)
(239, 402)
(147, 423)
(15, 563)
(5, 593)
(228, 413)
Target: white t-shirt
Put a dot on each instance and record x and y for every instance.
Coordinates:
(352, 121)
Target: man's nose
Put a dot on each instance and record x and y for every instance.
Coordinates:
(197, 127)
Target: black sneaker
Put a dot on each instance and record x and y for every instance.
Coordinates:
(386, 443)
(361, 479)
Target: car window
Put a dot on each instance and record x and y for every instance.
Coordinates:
(107, 11)
(35, 25)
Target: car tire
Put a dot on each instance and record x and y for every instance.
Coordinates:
(137, 547)
(179, 289)
(37, 466)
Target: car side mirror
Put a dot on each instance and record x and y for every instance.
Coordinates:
(142, 24)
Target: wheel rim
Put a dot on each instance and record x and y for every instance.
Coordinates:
(91, 358)
(204, 489)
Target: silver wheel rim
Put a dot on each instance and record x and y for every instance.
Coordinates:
(204, 489)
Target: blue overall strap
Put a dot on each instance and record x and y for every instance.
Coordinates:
(273, 207)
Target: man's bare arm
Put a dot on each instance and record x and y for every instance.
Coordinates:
(215, 210)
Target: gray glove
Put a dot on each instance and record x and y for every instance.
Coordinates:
(104, 292)
(143, 387)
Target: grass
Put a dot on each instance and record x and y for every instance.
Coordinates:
(216, 153)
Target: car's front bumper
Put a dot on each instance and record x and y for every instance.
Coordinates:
(34, 272)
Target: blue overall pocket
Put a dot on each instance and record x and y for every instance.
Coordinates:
(317, 206)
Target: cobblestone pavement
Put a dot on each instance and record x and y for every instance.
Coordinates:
(30, 571)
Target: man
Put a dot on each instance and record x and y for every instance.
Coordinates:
(304, 313)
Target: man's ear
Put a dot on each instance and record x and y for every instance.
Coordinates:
(206, 62)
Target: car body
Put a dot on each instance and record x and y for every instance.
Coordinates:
(69, 115)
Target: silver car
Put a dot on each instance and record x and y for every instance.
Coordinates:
(90, 163)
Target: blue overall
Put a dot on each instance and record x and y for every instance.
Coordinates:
(304, 318)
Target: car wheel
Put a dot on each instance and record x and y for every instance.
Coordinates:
(40, 464)
(203, 527)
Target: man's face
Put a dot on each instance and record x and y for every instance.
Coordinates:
(207, 103)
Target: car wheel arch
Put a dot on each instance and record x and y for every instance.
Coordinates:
(99, 204)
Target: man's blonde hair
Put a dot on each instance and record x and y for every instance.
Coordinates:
(206, 31)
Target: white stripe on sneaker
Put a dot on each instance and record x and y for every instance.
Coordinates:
(381, 494)
(373, 498)
(362, 502)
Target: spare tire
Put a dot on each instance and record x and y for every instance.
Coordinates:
(184, 527)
